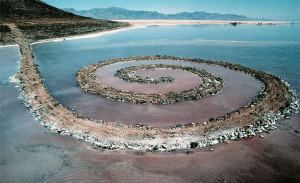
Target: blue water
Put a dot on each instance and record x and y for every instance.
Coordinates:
(274, 49)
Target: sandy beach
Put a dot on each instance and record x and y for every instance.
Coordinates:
(5, 46)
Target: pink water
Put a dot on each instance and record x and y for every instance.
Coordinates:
(238, 91)
(184, 80)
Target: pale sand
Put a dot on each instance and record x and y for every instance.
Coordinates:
(5, 46)
(190, 22)
(88, 35)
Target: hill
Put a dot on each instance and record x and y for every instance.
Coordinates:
(38, 20)
(32, 9)
(114, 13)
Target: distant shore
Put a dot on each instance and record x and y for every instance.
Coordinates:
(190, 22)
(135, 24)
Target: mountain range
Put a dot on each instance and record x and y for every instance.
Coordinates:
(115, 13)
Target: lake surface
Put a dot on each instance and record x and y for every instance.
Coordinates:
(29, 154)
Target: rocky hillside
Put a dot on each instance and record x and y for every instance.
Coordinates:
(31, 9)
(38, 20)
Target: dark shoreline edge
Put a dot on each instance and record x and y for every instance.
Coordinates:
(87, 81)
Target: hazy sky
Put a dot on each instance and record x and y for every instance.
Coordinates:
(272, 9)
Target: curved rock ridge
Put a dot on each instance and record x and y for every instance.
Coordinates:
(276, 101)
(88, 82)
(128, 74)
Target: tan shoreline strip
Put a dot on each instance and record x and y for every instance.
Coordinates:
(194, 22)
(276, 101)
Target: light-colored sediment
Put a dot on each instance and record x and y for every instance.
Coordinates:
(276, 101)
(90, 35)
(194, 22)
(6, 46)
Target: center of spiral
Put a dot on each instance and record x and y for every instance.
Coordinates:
(129, 74)
(88, 82)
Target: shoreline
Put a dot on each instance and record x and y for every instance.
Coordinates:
(136, 24)
(195, 22)
(9, 45)
(113, 135)
(87, 35)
